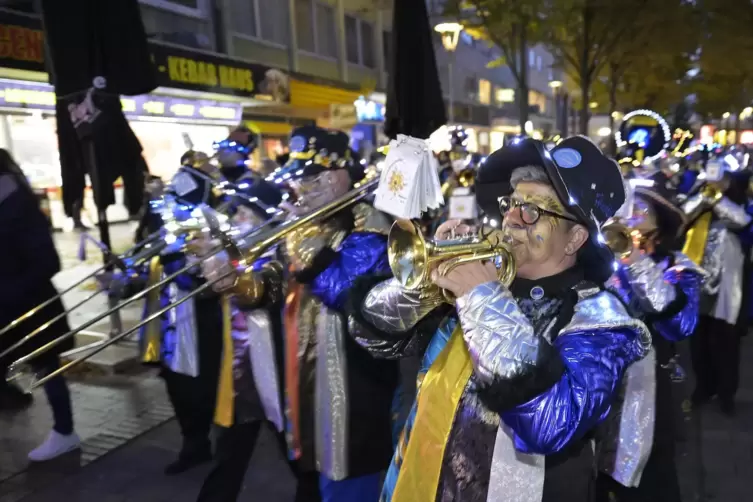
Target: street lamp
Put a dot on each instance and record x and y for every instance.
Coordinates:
(450, 33)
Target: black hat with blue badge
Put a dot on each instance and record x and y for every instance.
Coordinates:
(587, 182)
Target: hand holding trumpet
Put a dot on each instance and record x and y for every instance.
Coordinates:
(461, 279)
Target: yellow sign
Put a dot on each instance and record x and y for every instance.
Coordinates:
(129, 105)
(190, 71)
(182, 109)
(217, 112)
(154, 107)
(29, 97)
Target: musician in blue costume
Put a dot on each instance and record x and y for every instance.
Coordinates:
(337, 397)
(257, 352)
(187, 341)
(719, 228)
(663, 287)
(515, 380)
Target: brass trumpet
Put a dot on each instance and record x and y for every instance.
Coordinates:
(412, 256)
(252, 246)
(619, 237)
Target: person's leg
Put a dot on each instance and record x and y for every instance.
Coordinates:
(62, 438)
(727, 364)
(363, 488)
(235, 445)
(700, 347)
(184, 393)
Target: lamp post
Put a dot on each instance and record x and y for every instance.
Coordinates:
(450, 33)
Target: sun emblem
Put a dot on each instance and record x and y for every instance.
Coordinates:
(396, 182)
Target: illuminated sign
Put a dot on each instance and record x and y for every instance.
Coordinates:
(22, 47)
(369, 111)
(21, 42)
(16, 94)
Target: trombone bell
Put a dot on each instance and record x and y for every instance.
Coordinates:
(619, 238)
(412, 256)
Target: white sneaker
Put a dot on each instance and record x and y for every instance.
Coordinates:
(55, 445)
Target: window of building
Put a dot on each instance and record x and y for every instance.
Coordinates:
(535, 98)
(326, 30)
(193, 8)
(484, 91)
(538, 63)
(367, 45)
(351, 40)
(359, 42)
(387, 48)
(505, 96)
(531, 58)
(273, 20)
(551, 75)
(304, 25)
(244, 19)
(471, 87)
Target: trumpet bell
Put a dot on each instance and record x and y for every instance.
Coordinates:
(412, 256)
(408, 254)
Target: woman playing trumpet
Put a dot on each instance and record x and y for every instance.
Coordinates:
(516, 377)
(663, 288)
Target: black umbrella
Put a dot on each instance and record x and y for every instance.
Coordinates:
(414, 95)
(96, 51)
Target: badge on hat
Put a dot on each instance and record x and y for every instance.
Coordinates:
(297, 144)
(567, 158)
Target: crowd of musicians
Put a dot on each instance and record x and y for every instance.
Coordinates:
(554, 371)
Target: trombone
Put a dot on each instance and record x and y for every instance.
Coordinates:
(620, 238)
(241, 255)
(412, 256)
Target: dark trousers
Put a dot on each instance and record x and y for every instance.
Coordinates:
(658, 484)
(715, 348)
(193, 398)
(235, 446)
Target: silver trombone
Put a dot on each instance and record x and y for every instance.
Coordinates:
(243, 251)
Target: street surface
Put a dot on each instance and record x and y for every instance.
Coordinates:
(125, 422)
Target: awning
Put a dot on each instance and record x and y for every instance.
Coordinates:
(269, 128)
(310, 95)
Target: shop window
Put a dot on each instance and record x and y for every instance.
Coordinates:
(351, 40)
(484, 91)
(304, 25)
(326, 31)
(367, 45)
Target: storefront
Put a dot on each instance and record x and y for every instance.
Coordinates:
(201, 96)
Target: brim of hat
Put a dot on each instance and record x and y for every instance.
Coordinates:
(673, 215)
(529, 153)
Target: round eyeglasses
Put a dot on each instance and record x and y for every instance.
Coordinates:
(530, 213)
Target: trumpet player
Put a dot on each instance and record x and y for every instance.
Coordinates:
(337, 398)
(516, 377)
(663, 287)
(718, 228)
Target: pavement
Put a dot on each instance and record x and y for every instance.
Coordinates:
(129, 435)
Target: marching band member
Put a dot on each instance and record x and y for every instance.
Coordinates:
(337, 398)
(717, 222)
(190, 347)
(515, 380)
(663, 287)
(257, 357)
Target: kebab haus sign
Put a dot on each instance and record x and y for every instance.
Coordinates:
(22, 47)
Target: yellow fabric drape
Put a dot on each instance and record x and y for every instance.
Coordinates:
(695, 241)
(151, 340)
(438, 399)
(223, 413)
